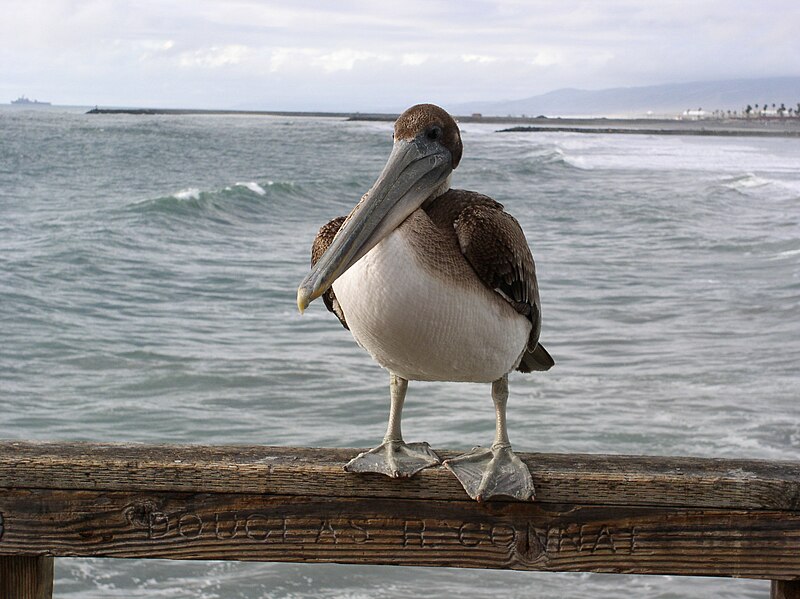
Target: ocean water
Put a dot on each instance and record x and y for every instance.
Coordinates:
(147, 286)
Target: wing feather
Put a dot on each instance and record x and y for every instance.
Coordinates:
(494, 244)
(321, 243)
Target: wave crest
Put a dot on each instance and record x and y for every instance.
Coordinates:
(242, 201)
(752, 184)
(556, 156)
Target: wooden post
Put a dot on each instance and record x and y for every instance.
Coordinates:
(26, 577)
(785, 589)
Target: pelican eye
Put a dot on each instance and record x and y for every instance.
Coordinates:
(434, 133)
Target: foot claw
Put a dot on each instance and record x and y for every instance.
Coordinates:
(395, 459)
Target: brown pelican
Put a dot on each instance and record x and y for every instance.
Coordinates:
(437, 284)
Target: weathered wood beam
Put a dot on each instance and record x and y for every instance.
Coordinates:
(26, 577)
(785, 589)
(506, 535)
(624, 514)
(317, 472)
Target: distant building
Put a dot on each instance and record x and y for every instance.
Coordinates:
(694, 115)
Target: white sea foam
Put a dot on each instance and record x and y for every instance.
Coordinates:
(748, 181)
(752, 183)
(190, 193)
(578, 162)
(659, 153)
(557, 155)
(787, 253)
(254, 187)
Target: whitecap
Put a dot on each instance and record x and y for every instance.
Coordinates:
(578, 162)
(747, 181)
(787, 253)
(190, 193)
(752, 183)
(557, 155)
(252, 186)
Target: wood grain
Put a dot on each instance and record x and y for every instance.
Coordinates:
(508, 535)
(785, 589)
(26, 577)
(559, 478)
(626, 514)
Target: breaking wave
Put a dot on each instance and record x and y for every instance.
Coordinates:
(752, 184)
(556, 157)
(230, 204)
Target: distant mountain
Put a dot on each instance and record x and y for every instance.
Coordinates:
(668, 99)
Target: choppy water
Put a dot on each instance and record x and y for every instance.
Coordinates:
(149, 267)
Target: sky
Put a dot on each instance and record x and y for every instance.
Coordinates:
(351, 55)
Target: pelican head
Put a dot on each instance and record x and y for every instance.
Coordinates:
(427, 147)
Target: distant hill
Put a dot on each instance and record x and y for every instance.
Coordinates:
(661, 100)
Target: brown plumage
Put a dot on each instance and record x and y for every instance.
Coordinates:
(493, 244)
(321, 243)
(437, 124)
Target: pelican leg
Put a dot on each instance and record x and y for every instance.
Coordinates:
(393, 457)
(484, 472)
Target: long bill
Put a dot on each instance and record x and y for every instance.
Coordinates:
(413, 171)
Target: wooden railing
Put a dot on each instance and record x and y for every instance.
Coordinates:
(592, 513)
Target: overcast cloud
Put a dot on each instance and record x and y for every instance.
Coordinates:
(360, 55)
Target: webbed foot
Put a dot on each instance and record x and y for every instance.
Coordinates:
(485, 473)
(395, 459)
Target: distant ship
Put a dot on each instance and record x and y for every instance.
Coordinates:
(26, 101)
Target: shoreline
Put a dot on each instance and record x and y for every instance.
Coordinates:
(756, 127)
(704, 131)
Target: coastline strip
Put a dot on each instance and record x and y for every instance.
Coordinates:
(603, 126)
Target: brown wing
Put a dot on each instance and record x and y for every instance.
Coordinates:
(495, 246)
(321, 243)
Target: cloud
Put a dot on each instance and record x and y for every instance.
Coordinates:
(265, 52)
(214, 57)
(478, 58)
(346, 59)
(413, 59)
(548, 57)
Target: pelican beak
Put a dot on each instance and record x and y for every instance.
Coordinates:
(415, 168)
